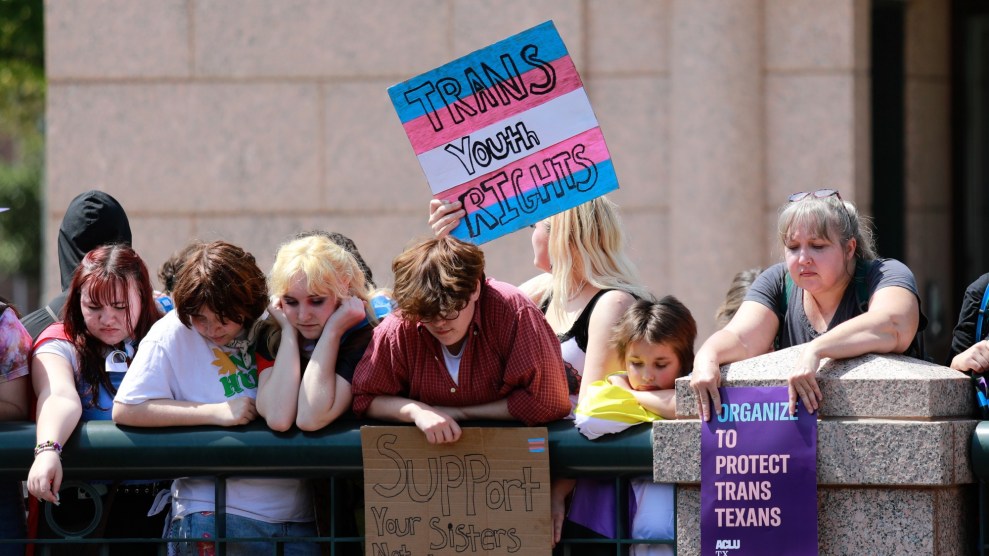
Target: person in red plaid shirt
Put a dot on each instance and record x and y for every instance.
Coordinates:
(461, 346)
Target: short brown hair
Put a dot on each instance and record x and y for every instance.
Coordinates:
(223, 278)
(667, 321)
(436, 276)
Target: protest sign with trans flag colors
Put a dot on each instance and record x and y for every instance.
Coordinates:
(508, 131)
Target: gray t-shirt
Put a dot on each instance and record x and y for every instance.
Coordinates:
(796, 328)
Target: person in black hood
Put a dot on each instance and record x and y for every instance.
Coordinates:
(92, 219)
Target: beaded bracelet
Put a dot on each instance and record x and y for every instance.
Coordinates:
(48, 446)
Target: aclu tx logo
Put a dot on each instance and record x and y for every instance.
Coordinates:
(722, 546)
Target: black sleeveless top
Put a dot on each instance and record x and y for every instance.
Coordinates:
(573, 343)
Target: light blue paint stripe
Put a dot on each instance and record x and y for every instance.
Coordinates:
(544, 36)
(537, 440)
(537, 450)
(607, 181)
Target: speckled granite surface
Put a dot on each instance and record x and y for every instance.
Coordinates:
(867, 386)
(876, 521)
(688, 521)
(849, 452)
(893, 463)
(869, 521)
(895, 522)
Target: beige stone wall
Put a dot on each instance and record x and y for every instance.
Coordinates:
(927, 113)
(250, 120)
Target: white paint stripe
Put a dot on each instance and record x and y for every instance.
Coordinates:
(552, 122)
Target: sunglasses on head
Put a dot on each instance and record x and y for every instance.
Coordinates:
(819, 194)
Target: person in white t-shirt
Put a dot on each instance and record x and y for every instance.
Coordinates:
(197, 366)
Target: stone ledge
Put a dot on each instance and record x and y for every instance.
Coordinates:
(849, 452)
(868, 386)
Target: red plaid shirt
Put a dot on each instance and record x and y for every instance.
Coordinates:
(510, 352)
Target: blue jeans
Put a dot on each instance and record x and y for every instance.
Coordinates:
(200, 526)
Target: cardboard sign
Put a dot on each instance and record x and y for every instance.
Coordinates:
(758, 476)
(487, 493)
(508, 131)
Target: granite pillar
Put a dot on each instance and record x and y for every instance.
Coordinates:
(893, 467)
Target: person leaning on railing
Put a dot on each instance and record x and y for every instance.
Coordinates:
(15, 349)
(969, 350)
(323, 317)
(322, 307)
(831, 295)
(197, 367)
(460, 347)
(76, 367)
(656, 343)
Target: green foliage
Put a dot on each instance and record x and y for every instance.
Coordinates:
(22, 67)
(20, 251)
(22, 32)
(22, 109)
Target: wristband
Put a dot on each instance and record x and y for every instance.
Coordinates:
(48, 446)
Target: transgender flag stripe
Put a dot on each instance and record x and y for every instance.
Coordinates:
(596, 151)
(550, 48)
(537, 445)
(604, 178)
(557, 120)
(424, 136)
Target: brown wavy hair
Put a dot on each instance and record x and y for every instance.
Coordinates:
(169, 270)
(740, 285)
(223, 278)
(667, 321)
(436, 276)
(105, 270)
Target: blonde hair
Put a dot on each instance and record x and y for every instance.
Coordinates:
(587, 246)
(329, 270)
(832, 218)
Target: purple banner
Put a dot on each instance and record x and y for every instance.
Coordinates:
(758, 476)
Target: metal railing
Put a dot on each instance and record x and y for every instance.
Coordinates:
(980, 466)
(100, 450)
